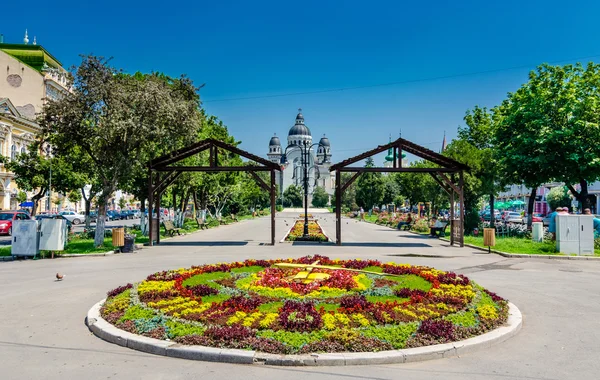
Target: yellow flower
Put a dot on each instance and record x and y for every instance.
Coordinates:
(329, 322)
(487, 312)
(159, 286)
(361, 319)
(268, 320)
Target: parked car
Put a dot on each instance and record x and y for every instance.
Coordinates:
(486, 215)
(537, 217)
(125, 214)
(546, 220)
(94, 216)
(504, 214)
(137, 213)
(73, 217)
(6, 219)
(113, 215)
(55, 216)
(514, 217)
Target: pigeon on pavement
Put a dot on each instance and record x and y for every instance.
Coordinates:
(59, 276)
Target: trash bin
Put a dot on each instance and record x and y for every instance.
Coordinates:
(129, 244)
(489, 237)
(118, 236)
(537, 231)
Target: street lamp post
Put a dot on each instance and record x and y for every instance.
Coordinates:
(49, 151)
(305, 161)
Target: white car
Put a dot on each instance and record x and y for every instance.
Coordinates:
(73, 217)
(514, 217)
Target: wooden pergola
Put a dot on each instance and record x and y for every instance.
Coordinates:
(442, 172)
(162, 173)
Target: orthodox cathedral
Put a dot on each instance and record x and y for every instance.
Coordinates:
(299, 153)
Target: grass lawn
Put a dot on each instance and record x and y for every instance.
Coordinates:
(82, 246)
(519, 245)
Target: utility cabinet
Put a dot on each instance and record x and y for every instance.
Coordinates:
(575, 234)
(53, 234)
(25, 238)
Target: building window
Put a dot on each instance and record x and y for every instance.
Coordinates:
(13, 152)
(23, 150)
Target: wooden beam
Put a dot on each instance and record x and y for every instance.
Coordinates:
(273, 208)
(452, 218)
(461, 184)
(150, 205)
(168, 183)
(350, 181)
(214, 169)
(446, 189)
(260, 181)
(165, 179)
(449, 182)
(157, 200)
(395, 157)
(180, 156)
(338, 207)
(396, 170)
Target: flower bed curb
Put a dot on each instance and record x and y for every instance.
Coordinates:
(528, 256)
(110, 333)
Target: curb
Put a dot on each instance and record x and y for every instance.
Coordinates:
(110, 333)
(528, 256)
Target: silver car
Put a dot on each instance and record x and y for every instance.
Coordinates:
(514, 217)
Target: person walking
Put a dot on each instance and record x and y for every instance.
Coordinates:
(587, 211)
(552, 224)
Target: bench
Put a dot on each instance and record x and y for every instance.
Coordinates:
(202, 223)
(440, 231)
(234, 218)
(407, 227)
(170, 228)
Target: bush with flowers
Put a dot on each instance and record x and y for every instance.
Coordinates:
(354, 305)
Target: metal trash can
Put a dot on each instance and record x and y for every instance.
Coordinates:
(129, 244)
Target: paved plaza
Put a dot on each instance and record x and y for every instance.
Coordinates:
(43, 335)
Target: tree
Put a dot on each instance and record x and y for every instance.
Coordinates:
(369, 187)
(21, 197)
(391, 190)
(115, 119)
(74, 196)
(292, 196)
(320, 197)
(558, 197)
(32, 173)
(122, 203)
(550, 129)
(479, 131)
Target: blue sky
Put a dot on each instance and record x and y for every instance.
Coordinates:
(244, 49)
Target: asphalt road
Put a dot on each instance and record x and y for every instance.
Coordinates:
(43, 336)
(6, 240)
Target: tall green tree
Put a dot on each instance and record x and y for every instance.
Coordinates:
(320, 198)
(32, 173)
(116, 118)
(369, 187)
(479, 132)
(292, 196)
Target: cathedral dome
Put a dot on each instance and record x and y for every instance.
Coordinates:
(299, 129)
(274, 141)
(324, 141)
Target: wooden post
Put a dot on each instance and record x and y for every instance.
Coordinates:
(452, 217)
(150, 204)
(272, 191)
(158, 196)
(395, 157)
(338, 208)
(462, 210)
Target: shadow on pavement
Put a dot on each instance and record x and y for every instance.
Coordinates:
(380, 244)
(203, 243)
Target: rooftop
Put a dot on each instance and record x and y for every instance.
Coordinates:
(32, 55)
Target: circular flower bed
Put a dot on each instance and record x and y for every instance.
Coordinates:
(311, 304)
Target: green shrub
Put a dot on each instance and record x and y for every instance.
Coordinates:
(464, 318)
(421, 225)
(176, 329)
(136, 312)
(292, 339)
(394, 335)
